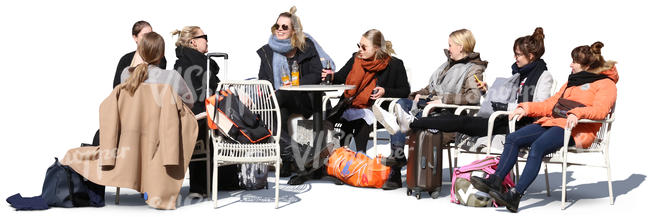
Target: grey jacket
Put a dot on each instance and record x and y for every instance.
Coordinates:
(157, 75)
(454, 83)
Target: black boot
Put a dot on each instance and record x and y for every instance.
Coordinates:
(286, 169)
(509, 198)
(394, 179)
(492, 183)
(397, 157)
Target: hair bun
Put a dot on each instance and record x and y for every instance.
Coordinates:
(596, 46)
(176, 32)
(293, 10)
(538, 34)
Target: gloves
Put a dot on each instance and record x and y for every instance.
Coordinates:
(497, 106)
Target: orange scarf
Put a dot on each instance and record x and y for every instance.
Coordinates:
(362, 75)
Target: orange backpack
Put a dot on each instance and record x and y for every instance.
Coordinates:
(357, 169)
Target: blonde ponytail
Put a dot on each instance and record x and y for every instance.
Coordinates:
(138, 75)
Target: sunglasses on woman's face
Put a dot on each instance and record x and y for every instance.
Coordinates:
(284, 27)
(202, 36)
(361, 46)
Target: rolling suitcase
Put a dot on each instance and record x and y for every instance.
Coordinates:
(424, 167)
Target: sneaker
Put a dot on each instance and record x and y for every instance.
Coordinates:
(385, 118)
(404, 119)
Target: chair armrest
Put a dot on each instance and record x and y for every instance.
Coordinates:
(427, 109)
(460, 109)
(325, 99)
(200, 116)
(490, 131)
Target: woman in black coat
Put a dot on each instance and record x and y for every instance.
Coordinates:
(130, 59)
(191, 46)
(288, 44)
(375, 73)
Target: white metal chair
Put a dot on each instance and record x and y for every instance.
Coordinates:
(263, 103)
(599, 146)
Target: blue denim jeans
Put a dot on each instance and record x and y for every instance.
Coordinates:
(541, 140)
(399, 139)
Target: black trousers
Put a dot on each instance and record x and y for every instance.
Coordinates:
(472, 126)
(291, 102)
(357, 128)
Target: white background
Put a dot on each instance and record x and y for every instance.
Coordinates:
(59, 57)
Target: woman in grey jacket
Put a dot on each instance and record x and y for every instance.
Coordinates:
(533, 83)
(452, 83)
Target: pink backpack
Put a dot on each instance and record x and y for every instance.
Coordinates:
(462, 191)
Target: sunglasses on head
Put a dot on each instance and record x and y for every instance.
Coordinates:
(201, 36)
(284, 26)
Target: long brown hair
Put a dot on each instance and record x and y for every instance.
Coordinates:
(152, 50)
(589, 56)
(531, 44)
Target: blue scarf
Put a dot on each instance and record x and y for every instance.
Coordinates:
(322, 54)
(279, 48)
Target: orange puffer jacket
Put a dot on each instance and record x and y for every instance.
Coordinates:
(598, 98)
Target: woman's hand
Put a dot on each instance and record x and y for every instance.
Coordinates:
(378, 92)
(324, 74)
(483, 86)
(571, 121)
(437, 101)
(519, 111)
(416, 98)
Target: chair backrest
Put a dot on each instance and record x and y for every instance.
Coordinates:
(602, 137)
(259, 98)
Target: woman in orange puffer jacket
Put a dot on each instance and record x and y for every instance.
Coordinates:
(589, 93)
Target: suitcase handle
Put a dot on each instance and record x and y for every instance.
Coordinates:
(435, 161)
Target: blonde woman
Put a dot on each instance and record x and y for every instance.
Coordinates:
(454, 82)
(288, 44)
(133, 58)
(191, 47)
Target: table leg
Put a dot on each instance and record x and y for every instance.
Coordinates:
(319, 135)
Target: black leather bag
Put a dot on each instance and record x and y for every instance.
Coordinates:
(334, 114)
(563, 106)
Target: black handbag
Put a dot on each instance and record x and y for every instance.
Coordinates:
(563, 106)
(334, 114)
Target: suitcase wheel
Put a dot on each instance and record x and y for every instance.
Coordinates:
(409, 192)
(417, 195)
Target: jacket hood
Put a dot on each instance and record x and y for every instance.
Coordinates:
(473, 57)
(609, 69)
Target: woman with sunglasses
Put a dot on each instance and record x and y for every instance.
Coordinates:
(191, 46)
(133, 58)
(288, 44)
(375, 73)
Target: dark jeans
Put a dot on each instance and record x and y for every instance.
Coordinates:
(541, 140)
(291, 102)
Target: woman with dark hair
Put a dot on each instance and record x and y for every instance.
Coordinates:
(133, 58)
(288, 44)
(591, 91)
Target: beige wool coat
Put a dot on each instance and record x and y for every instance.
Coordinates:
(146, 142)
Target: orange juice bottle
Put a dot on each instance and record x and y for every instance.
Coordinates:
(286, 78)
(295, 74)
